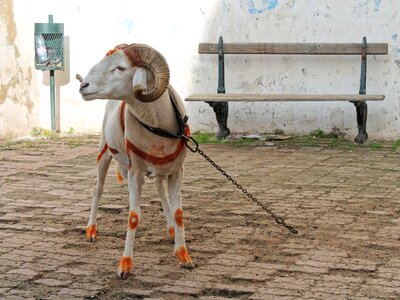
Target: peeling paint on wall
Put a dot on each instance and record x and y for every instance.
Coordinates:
(17, 92)
(16, 100)
(18, 74)
(291, 3)
(377, 5)
(257, 7)
(7, 17)
(396, 43)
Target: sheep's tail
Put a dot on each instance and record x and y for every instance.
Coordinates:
(121, 173)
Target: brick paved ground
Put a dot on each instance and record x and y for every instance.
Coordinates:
(345, 204)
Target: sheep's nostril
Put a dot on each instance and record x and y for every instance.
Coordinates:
(84, 85)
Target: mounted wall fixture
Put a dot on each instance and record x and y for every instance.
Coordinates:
(49, 55)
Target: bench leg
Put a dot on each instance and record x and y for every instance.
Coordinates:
(221, 112)
(362, 110)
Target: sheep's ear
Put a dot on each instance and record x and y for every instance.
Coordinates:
(140, 78)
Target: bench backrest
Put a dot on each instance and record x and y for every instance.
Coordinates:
(363, 49)
(295, 48)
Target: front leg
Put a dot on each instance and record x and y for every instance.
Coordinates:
(103, 163)
(135, 183)
(174, 189)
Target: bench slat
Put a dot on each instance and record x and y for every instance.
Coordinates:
(282, 97)
(295, 48)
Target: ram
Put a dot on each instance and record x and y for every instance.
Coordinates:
(143, 130)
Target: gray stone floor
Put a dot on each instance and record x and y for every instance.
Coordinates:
(344, 202)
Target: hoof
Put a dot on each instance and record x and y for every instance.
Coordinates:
(361, 138)
(125, 267)
(91, 233)
(223, 133)
(184, 258)
(186, 265)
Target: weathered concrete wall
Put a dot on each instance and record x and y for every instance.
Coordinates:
(305, 21)
(176, 27)
(19, 94)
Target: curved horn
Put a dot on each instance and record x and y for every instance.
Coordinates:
(145, 56)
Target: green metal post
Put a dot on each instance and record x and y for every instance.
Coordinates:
(221, 67)
(52, 101)
(52, 93)
(363, 78)
(361, 106)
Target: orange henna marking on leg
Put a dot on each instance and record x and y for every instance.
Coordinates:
(133, 220)
(182, 255)
(179, 217)
(119, 176)
(126, 264)
(91, 232)
(172, 232)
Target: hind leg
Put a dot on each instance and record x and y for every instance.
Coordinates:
(103, 163)
(174, 190)
(159, 182)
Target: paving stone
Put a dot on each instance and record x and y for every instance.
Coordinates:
(52, 282)
(24, 272)
(344, 202)
(137, 292)
(77, 292)
(181, 290)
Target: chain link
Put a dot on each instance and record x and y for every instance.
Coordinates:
(278, 219)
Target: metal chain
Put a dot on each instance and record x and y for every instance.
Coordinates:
(278, 219)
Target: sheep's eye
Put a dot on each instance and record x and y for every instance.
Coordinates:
(121, 68)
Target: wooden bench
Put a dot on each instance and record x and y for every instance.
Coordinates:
(219, 100)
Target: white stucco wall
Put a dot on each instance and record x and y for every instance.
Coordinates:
(175, 28)
(19, 93)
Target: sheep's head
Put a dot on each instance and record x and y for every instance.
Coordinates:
(111, 78)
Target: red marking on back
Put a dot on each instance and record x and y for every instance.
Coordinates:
(100, 155)
(156, 160)
(122, 116)
(133, 220)
(179, 217)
